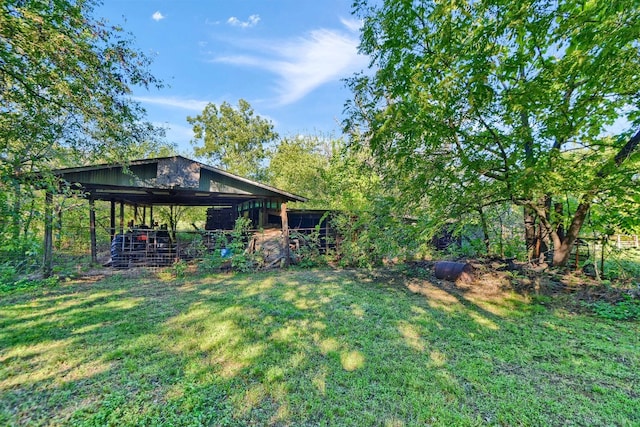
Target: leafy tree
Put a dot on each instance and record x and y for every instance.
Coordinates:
(352, 180)
(65, 85)
(235, 138)
(298, 165)
(372, 225)
(472, 103)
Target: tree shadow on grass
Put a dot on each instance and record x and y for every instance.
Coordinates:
(298, 347)
(61, 347)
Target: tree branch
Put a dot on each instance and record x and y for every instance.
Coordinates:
(626, 151)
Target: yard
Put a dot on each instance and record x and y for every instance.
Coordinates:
(322, 347)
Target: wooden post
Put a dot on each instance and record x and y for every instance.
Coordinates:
(263, 214)
(47, 262)
(92, 229)
(122, 217)
(58, 242)
(285, 233)
(151, 216)
(112, 225)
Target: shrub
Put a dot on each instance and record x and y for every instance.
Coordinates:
(180, 268)
(240, 259)
(8, 274)
(368, 238)
(627, 309)
(308, 252)
(214, 259)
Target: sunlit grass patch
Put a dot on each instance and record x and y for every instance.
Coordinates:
(306, 348)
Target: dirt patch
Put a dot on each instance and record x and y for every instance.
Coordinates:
(495, 278)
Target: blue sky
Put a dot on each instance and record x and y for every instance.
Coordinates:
(287, 58)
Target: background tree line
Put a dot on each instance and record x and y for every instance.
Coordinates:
(475, 115)
(474, 108)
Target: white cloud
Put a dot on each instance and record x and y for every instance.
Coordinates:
(352, 25)
(182, 104)
(157, 16)
(306, 63)
(251, 22)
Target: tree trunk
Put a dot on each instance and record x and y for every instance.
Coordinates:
(530, 231)
(537, 231)
(562, 252)
(545, 232)
(559, 210)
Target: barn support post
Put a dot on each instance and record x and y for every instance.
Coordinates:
(151, 216)
(263, 214)
(121, 217)
(112, 225)
(236, 212)
(285, 233)
(92, 229)
(47, 262)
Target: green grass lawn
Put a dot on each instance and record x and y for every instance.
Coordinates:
(307, 348)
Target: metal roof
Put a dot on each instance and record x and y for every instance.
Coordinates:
(174, 180)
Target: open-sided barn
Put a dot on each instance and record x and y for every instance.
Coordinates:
(170, 181)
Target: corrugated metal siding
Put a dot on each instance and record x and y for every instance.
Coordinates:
(145, 172)
(211, 181)
(114, 176)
